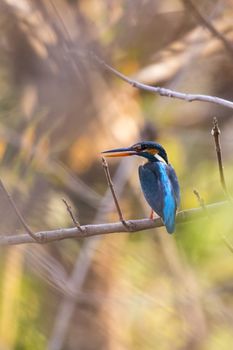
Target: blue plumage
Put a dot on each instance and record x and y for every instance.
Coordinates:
(158, 179)
(161, 190)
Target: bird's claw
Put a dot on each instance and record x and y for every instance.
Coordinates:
(128, 225)
(152, 215)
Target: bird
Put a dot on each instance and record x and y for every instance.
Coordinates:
(158, 179)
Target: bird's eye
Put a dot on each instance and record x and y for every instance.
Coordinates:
(137, 148)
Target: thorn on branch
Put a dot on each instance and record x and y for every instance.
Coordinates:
(75, 221)
(111, 187)
(18, 214)
(201, 202)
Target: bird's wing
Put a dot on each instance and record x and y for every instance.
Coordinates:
(157, 180)
(151, 187)
(175, 184)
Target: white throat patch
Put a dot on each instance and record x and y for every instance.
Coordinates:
(157, 156)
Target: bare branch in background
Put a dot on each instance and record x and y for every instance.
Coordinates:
(56, 168)
(216, 132)
(73, 182)
(103, 229)
(19, 215)
(60, 19)
(68, 40)
(228, 244)
(164, 91)
(207, 24)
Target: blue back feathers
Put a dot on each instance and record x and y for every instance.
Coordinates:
(161, 190)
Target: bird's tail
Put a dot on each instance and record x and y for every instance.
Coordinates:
(170, 223)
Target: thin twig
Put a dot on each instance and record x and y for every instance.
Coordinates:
(215, 133)
(67, 40)
(206, 23)
(111, 186)
(116, 227)
(75, 221)
(164, 91)
(57, 13)
(17, 212)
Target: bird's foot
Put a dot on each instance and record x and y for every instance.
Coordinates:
(128, 225)
(152, 215)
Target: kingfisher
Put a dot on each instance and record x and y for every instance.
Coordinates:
(158, 179)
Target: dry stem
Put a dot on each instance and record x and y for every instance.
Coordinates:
(75, 221)
(111, 186)
(17, 212)
(216, 132)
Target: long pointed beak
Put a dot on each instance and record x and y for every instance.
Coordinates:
(119, 152)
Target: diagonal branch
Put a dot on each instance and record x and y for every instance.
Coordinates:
(164, 91)
(18, 214)
(110, 184)
(206, 23)
(75, 221)
(134, 83)
(116, 227)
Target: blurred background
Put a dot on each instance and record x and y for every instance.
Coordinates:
(58, 111)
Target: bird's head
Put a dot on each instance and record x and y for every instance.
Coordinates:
(150, 150)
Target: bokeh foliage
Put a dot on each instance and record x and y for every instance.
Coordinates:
(58, 110)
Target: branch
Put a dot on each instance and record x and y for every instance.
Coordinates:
(75, 221)
(103, 229)
(154, 89)
(164, 91)
(206, 23)
(111, 186)
(18, 214)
